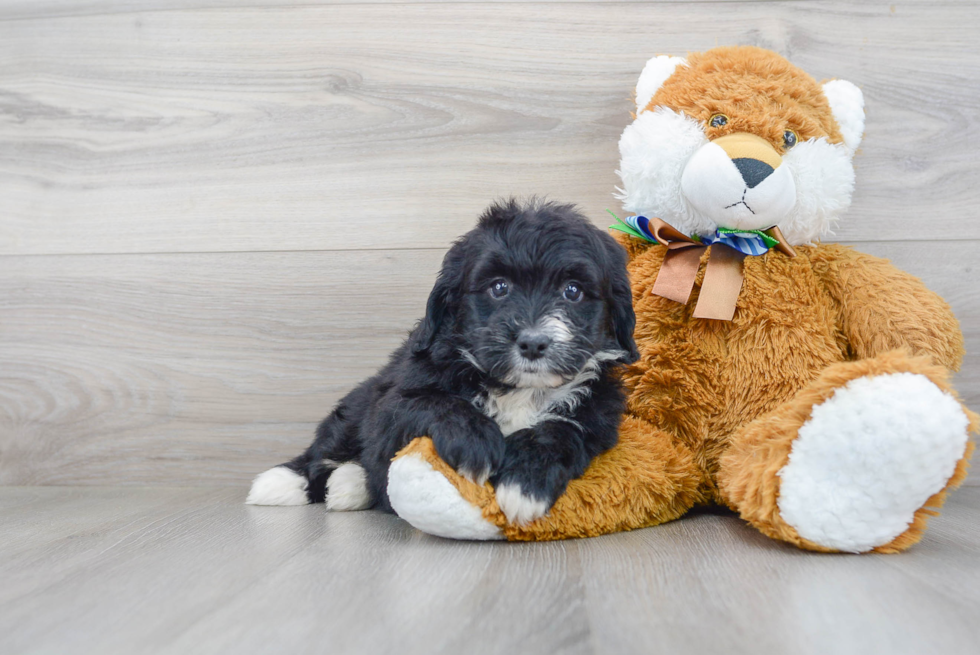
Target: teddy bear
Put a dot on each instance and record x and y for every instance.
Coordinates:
(802, 384)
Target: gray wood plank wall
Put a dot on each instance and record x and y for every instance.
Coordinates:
(217, 216)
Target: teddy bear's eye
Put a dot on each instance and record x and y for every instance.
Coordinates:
(718, 120)
(789, 139)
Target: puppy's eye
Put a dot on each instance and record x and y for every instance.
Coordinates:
(572, 292)
(499, 289)
(718, 120)
(789, 139)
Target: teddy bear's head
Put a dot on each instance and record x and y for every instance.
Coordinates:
(740, 138)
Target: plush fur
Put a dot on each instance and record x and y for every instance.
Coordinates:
(512, 372)
(822, 412)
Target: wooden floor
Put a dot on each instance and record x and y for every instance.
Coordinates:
(193, 570)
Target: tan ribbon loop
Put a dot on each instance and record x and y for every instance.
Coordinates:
(722, 278)
(669, 236)
(721, 285)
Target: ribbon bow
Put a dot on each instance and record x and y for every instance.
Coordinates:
(723, 274)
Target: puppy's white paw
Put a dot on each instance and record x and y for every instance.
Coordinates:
(278, 486)
(347, 489)
(518, 508)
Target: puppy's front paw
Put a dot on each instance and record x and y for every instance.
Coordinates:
(519, 508)
(533, 476)
(472, 445)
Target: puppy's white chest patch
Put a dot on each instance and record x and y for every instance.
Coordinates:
(517, 409)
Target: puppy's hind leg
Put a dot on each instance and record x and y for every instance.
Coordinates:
(286, 484)
(306, 478)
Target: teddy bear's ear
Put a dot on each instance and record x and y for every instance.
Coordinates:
(847, 104)
(654, 74)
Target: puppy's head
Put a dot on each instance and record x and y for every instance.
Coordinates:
(532, 297)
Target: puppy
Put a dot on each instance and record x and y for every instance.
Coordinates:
(512, 372)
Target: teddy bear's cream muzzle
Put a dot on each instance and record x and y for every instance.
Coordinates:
(739, 181)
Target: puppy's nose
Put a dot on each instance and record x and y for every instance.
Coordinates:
(533, 344)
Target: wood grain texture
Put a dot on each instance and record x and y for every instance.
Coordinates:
(189, 571)
(176, 369)
(289, 127)
(34, 9)
(208, 368)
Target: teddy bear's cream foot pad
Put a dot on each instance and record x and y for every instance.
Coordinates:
(868, 458)
(428, 501)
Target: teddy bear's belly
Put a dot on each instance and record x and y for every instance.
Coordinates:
(700, 380)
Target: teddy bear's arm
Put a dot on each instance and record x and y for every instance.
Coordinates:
(881, 308)
(648, 478)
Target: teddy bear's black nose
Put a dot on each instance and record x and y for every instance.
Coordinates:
(753, 171)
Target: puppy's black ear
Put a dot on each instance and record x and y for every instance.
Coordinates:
(440, 309)
(620, 302)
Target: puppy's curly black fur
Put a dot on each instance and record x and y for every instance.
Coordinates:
(511, 372)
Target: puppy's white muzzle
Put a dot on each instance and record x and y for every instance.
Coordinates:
(739, 181)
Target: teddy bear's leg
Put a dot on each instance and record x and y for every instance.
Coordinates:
(856, 460)
(644, 480)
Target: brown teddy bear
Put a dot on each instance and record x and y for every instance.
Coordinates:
(804, 385)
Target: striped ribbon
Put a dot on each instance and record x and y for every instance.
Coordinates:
(747, 242)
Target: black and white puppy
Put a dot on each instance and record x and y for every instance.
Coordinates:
(512, 372)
